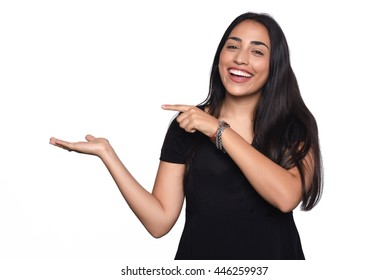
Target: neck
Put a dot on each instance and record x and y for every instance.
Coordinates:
(239, 107)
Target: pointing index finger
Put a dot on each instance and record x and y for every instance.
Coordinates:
(177, 107)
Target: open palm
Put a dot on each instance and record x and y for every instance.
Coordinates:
(92, 145)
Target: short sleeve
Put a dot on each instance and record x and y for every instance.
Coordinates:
(177, 144)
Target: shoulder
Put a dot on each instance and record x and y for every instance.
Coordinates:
(178, 143)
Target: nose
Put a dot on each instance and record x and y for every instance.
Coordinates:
(241, 57)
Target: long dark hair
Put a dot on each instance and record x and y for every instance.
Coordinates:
(284, 128)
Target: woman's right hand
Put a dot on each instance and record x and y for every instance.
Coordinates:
(92, 146)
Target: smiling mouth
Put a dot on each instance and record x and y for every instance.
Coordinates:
(239, 73)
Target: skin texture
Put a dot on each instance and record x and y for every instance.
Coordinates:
(247, 53)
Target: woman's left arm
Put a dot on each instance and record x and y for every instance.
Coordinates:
(279, 186)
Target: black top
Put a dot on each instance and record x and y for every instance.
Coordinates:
(225, 217)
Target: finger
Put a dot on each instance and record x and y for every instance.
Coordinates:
(181, 117)
(89, 138)
(177, 107)
(186, 124)
(60, 143)
(52, 140)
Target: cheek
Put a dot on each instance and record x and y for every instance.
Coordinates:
(262, 72)
(222, 60)
(261, 66)
(262, 69)
(222, 67)
(226, 57)
(222, 74)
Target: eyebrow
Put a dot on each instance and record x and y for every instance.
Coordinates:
(257, 43)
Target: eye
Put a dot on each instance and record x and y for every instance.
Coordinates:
(257, 52)
(232, 47)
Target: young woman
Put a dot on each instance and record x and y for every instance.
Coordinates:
(243, 159)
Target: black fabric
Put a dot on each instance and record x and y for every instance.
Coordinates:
(225, 217)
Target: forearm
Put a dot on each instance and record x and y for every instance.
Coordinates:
(145, 205)
(278, 186)
(157, 212)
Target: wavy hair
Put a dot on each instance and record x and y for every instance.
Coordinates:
(284, 128)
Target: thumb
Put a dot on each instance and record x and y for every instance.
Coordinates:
(89, 138)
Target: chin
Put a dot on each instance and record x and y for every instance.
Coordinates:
(241, 93)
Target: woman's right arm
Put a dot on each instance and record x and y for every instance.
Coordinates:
(158, 211)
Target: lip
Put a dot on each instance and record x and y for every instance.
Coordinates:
(239, 79)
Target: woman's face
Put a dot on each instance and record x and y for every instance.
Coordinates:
(245, 58)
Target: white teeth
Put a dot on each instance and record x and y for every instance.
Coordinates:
(240, 73)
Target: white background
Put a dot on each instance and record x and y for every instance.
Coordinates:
(68, 68)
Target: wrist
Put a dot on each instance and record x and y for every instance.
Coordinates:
(106, 151)
(216, 138)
